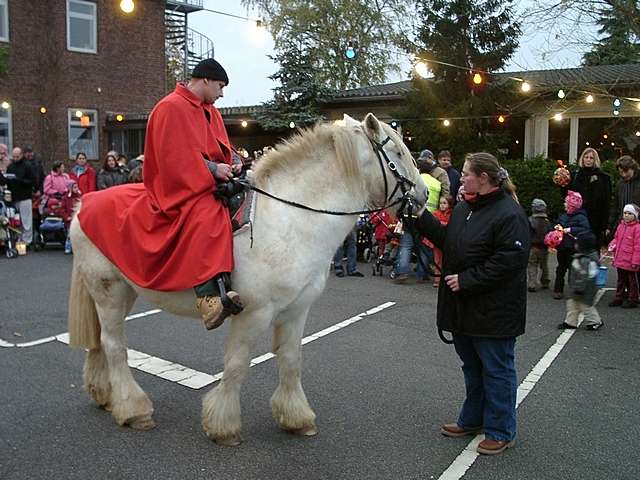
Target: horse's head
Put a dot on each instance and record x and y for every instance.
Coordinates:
(386, 159)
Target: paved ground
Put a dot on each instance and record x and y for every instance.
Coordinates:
(380, 387)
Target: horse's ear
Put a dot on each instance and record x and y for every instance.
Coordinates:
(349, 122)
(372, 126)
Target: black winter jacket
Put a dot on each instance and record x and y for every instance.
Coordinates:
(595, 187)
(22, 186)
(626, 192)
(111, 178)
(487, 244)
(578, 222)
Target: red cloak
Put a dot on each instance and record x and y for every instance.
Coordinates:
(169, 233)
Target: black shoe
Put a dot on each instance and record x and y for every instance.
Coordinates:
(531, 289)
(566, 326)
(615, 303)
(339, 273)
(355, 274)
(629, 304)
(597, 326)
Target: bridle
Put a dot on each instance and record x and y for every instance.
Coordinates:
(406, 201)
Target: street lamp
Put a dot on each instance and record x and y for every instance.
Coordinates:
(127, 6)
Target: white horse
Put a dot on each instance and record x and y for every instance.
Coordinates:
(329, 167)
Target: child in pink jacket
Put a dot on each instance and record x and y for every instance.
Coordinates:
(626, 258)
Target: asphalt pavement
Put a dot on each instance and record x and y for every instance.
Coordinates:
(380, 387)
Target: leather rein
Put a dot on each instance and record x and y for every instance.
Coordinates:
(402, 183)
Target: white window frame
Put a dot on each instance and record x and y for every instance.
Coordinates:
(4, 4)
(71, 117)
(83, 16)
(9, 121)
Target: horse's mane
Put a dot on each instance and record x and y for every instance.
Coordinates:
(307, 143)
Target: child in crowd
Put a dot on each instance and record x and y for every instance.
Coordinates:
(573, 223)
(582, 284)
(71, 199)
(539, 226)
(382, 229)
(443, 213)
(626, 258)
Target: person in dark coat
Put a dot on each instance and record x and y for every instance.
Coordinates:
(594, 186)
(482, 300)
(111, 174)
(573, 222)
(627, 189)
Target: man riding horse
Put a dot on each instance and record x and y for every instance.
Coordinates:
(172, 233)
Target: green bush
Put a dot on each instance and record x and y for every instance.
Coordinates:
(533, 179)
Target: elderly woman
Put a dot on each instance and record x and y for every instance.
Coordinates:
(483, 298)
(594, 186)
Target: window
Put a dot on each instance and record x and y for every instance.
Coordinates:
(6, 136)
(81, 26)
(130, 142)
(83, 132)
(4, 20)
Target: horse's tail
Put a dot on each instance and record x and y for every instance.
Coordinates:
(84, 327)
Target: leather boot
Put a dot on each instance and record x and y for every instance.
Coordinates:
(214, 309)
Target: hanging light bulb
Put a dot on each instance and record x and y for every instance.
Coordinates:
(446, 122)
(477, 78)
(43, 110)
(587, 143)
(119, 117)
(501, 119)
(5, 105)
(79, 113)
(526, 87)
(244, 124)
(292, 125)
(422, 69)
(561, 94)
(617, 102)
(616, 113)
(589, 98)
(637, 133)
(557, 117)
(605, 136)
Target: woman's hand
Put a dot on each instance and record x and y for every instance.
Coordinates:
(452, 281)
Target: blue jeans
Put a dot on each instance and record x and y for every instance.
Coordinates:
(491, 384)
(403, 265)
(351, 251)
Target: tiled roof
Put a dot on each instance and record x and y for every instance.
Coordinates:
(601, 75)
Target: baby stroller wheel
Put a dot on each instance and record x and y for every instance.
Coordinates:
(11, 253)
(392, 274)
(366, 254)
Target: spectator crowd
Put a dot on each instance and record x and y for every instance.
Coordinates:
(36, 194)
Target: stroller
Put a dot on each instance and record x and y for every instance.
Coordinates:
(364, 238)
(52, 227)
(10, 225)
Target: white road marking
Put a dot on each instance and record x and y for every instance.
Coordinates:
(468, 456)
(5, 344)
(176, 373)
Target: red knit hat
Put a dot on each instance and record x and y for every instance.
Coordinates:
(573, 201)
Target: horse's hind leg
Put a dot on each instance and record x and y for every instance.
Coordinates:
(221, 419)
(289, 403)
(128, 403)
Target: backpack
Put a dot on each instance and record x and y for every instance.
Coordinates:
(584, 269)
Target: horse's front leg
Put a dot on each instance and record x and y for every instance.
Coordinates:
(221, 406)
(289, 403)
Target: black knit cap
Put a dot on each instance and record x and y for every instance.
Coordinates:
(211, 69)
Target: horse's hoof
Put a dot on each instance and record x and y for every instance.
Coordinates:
(228, 441)
(309, 431)
(143, 424)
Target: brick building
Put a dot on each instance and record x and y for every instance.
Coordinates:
(84, 61)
